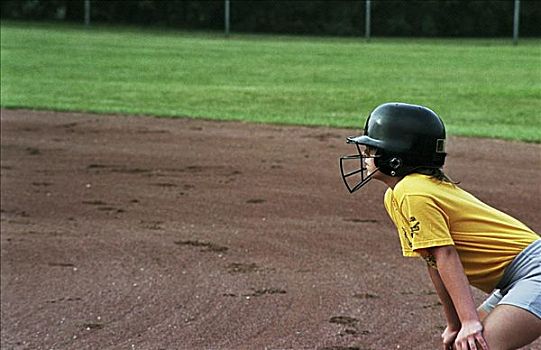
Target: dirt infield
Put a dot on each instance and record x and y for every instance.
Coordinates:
(144, 233)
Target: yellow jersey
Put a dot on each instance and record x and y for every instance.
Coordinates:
(428, 213)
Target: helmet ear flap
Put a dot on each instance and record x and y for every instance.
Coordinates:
(390, 164)
(395, 163)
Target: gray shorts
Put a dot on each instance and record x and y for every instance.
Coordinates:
(521, 282)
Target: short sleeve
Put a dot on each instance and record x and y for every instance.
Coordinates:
(387, 200)
(428, 223)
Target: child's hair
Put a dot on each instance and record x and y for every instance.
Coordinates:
(436, 173)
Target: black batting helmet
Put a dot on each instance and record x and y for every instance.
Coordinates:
(406, 137)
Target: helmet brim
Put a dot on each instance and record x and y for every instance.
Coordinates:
(365, 140)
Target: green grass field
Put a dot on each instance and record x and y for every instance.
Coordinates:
(485, 88)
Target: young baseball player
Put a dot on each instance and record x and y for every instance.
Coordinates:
(463, 240)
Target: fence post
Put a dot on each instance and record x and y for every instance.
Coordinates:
(87, 13)
(367, 20)
(227, 17)
(516, 19)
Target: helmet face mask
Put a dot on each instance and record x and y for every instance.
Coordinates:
(353, 167)
(406, 137)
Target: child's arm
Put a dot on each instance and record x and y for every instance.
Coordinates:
(453, 322)
(453, 280)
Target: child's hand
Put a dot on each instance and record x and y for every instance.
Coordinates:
(471, 337)
(448, 337)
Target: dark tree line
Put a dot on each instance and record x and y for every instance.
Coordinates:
(429, 18)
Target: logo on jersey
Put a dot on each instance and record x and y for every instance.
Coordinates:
(415, 226)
